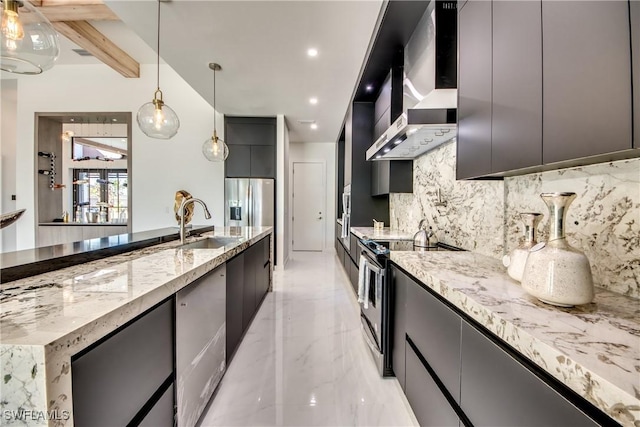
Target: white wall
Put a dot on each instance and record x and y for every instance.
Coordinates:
(325, 153)
(8, 111)
(283, 235)
(160, 167)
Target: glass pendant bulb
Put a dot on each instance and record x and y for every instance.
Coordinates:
(215, 149)
(157, 120)
(29, 41)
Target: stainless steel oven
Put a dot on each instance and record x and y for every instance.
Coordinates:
(374, 300)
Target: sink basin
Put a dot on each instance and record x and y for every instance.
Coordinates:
(211, 243)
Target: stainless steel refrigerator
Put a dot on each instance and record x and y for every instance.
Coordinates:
(249, 202)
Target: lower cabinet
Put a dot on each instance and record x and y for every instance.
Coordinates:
(353, 274)
(452, 373)
(248, 280)
(114, 380)
(162, 413)
(429, 404)
(200, 343)
(496, 390)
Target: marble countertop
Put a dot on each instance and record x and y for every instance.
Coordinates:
(593, 349)
(386, 235)
(30, 262)
(46, 319)
(90, 224)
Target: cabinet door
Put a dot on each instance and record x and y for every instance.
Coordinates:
(250, 131)
(263, 161)
(200, 343)
(353, 275)
(427, 401)
(249, 287)
(162, 413)
(587, 80)
(435, 330)
(120, 373)
(516, 121)
(238, 164)
(399, 283)
(474, 89)
(234, 306)
(496, 390)
(634, 9)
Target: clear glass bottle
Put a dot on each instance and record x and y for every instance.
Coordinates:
(516, 261)
(556, 272)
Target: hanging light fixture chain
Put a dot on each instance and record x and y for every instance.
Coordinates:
(158, 56)
(214, 100)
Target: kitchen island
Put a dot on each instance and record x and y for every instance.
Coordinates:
(593, 350)
(49, 318)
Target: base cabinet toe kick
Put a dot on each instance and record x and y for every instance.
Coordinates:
(455, 373)
(163, 367)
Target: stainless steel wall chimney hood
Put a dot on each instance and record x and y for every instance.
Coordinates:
(414, 133)
(429, 89)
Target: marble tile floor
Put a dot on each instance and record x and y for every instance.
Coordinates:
(303, 361)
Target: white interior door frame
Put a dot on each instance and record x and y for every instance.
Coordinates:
(323, 165)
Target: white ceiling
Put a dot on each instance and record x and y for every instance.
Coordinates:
(261, 46)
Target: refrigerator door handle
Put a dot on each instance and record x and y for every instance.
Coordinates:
(249, 206)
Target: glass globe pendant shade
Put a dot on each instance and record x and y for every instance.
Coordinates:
(29, 43)
(215, 149)
(157, 120)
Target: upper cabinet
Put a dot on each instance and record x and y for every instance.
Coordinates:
(587, 78)
(545, 84)
(252, 147)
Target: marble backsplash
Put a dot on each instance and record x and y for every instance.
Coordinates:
(473, 217)
(482, 216)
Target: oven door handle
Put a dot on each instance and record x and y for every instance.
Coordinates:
(371, 266)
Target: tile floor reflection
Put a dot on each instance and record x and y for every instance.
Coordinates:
(303, 361)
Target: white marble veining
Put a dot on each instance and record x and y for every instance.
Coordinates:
(304, 362)
(385, 235)
(603, 221)
(594, 349)
(46, 319)
(474, 213)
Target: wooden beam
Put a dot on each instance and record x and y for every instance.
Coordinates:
(87, 37)
(85, 12)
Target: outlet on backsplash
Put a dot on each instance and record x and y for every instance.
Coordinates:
(481, 216)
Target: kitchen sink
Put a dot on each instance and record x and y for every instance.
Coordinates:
(211, 243)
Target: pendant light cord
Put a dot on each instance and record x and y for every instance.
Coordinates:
(214, 101)
(158, 58)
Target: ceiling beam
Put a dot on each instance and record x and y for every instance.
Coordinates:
(77, 12)
(87, 37)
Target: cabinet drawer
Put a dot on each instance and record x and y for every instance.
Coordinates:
(161, 415)
(496, 390)
(427, 401)
(114, 380)
(435, 331)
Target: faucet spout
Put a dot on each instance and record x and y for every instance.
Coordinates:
(183, 206)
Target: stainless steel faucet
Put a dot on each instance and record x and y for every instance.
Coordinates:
(183, 205)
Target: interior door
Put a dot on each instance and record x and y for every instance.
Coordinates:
(309, 189)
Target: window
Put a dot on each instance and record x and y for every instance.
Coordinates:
(96, 190)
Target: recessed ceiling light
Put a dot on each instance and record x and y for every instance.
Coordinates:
(312, 52)
(386, 150)
(72, 120)
(369, 88)
(114, 120)
(314, 126)
(313, 101)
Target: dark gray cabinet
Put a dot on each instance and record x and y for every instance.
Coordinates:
(252, 147)
(162, 413)
(115, 379)
(234, 305)
(587, 80)
(474, 89)
(399, 282)
(516, 121)
(427, 401)
(391, 177)
(354, 249)
(353, 275)
(634, 10)
(496, 390)
(262, 267)
(249, 287)
(435, 331)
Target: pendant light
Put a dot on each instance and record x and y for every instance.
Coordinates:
(156, 119)
(29, 41)
(214, 148)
